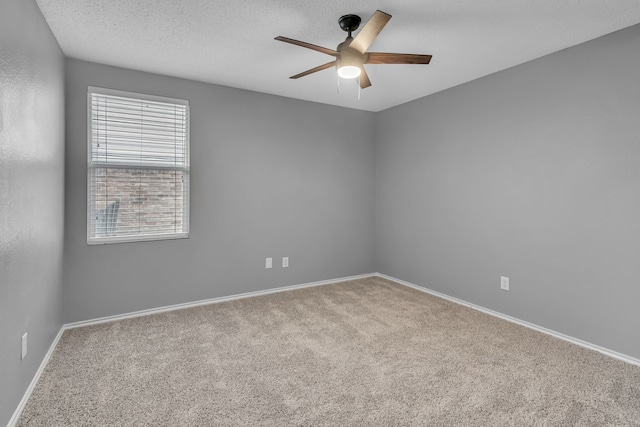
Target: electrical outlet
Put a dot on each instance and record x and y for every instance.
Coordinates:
(285, 262)
(268, 263)
(504, 283)
(24, 346)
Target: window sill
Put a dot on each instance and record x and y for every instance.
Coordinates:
(133, 239)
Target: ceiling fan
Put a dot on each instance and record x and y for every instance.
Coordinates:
(351, 54)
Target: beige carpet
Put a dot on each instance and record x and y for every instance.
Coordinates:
(361, 353)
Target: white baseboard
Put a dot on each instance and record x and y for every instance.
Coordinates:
(209, 301)
(524, 323)
(16, 414)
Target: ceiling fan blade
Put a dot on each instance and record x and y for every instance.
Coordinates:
(313, 70)
(307, 45)
(364, 79)
(370, 31)
(397, 58)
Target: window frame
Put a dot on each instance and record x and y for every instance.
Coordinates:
(91, 211)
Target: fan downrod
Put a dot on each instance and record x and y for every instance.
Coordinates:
(349, 23)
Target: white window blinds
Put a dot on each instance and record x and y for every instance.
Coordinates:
(138, 171)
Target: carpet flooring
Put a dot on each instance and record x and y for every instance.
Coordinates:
(367, 352)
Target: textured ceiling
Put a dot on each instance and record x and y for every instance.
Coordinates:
(231, 42)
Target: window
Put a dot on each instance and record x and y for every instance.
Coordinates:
(138, 167)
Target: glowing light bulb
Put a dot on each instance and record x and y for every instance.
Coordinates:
(349, 71)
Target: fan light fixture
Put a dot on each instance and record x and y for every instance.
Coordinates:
(349, 63)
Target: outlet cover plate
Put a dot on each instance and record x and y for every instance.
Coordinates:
(24, 346)
(504, 283)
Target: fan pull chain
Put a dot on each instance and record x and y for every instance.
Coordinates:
(359, 88)
(338, 87)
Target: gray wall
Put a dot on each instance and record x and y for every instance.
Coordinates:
(270, 176)
(31, 194)
(532, 173)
